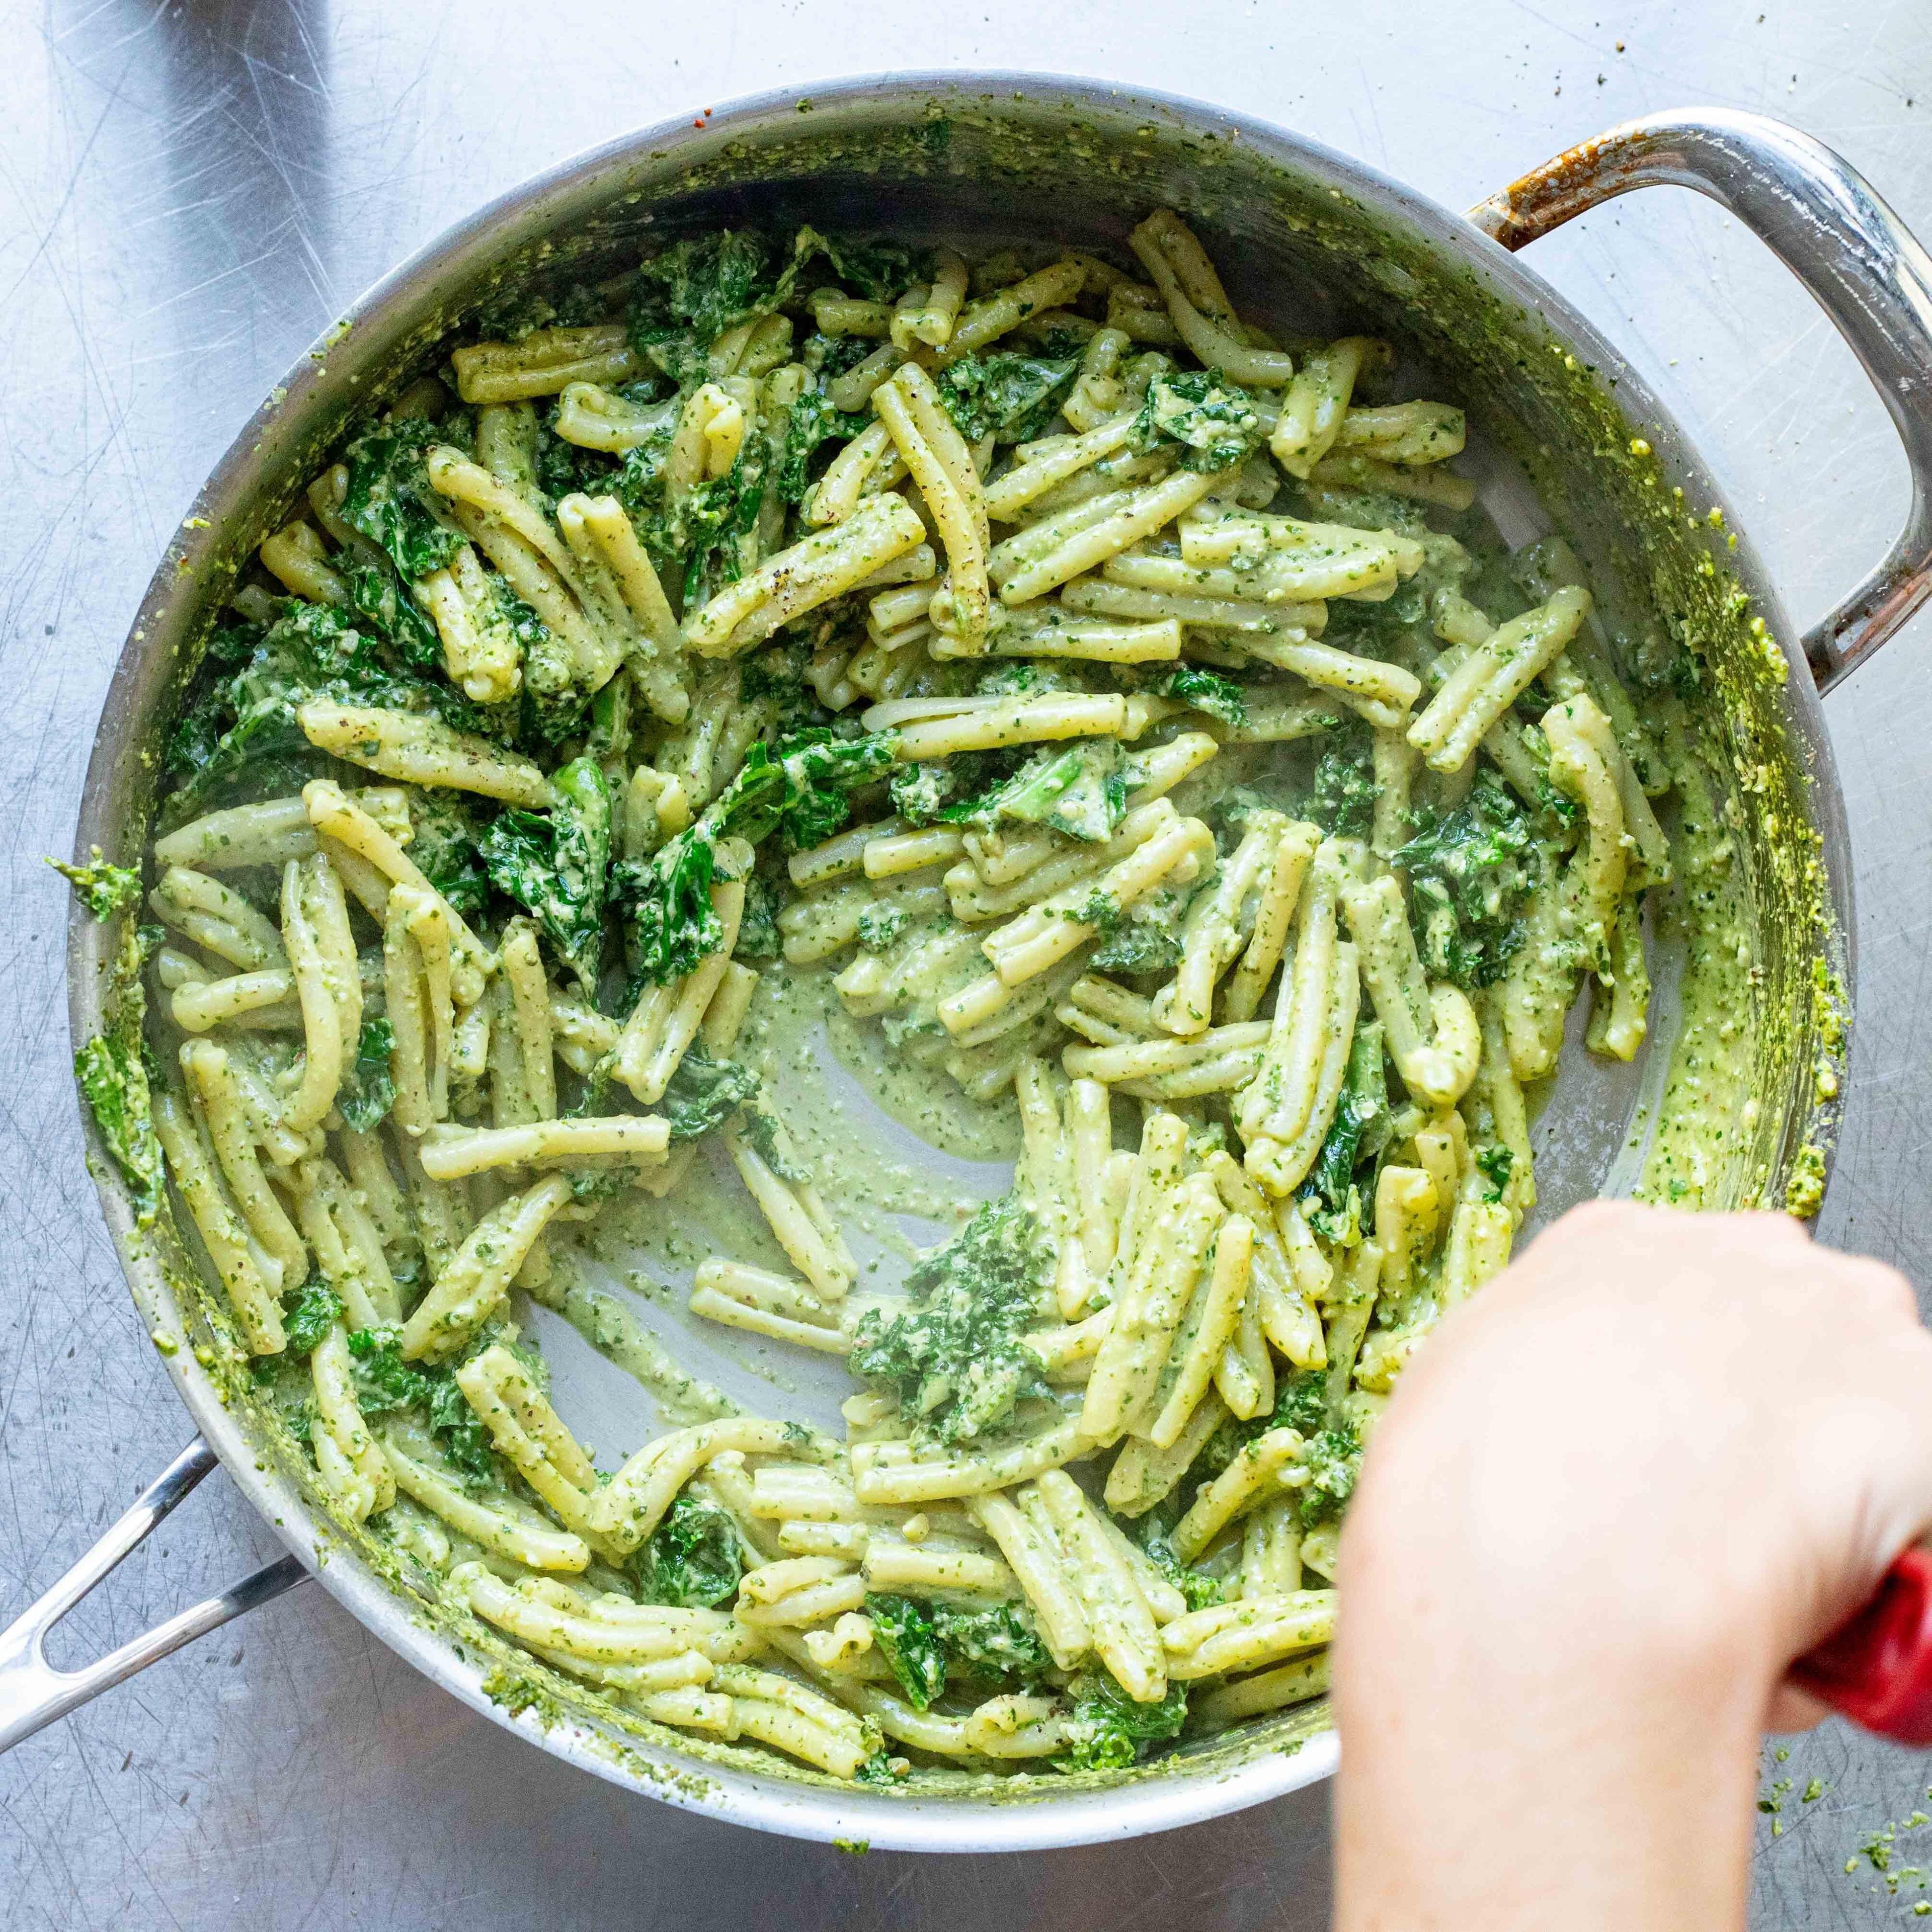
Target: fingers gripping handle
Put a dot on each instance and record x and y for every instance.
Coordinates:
(1821, 218)
(1877, 1668)
(34, 1694)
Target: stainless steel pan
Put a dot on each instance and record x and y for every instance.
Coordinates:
(1563, 420)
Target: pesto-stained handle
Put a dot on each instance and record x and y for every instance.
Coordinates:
(1861, 264)
(33, 1693)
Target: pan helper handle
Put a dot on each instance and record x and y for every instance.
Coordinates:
(1822, 220)
(33, 1693)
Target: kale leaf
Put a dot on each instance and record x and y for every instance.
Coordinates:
(391, 500)
(1010, 397)
(903, 1631)
(1468, 870)
(998, 1643)
(879, 271)
(1080, 789)
(693, 1559)
(557, 867)
(1360, 1132)
(1333, 1457)
(1111, 1731)
(1212, 418)
(811, 422)
(1342, 802)
(1494, 1164)
(444, 848)
(708, 282)
(1144, 938)
(368, 1088)
(953, 1358)
(104, 889)
(803, 792)
(113, 1070)
(1204, 690)
(308, 1314)
(1154, 1534)
(385, 1383)
(377, 595)
(705, 1092)
(248, 724)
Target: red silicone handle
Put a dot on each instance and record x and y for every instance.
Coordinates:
(1877, 1668)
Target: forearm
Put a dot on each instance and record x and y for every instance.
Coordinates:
(1496, 1778)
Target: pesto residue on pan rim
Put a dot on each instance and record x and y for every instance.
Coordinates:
(1766, 938)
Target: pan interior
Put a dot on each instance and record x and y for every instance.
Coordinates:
(1723, 1106)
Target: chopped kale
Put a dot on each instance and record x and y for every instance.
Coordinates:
(812, 420)
(385, 1383)
(104, 889)
(696, 289)
(1143, 938)
(1009, 397)
(666, 900)
(377, 595)
(444, 848)
(308, 1314)
(1342, 802)
(1469, 872)
(703, 1093)
(758, 935)
(557, 867)
(879, 271)
(803, 793)
(369, 1089)
(247, 723)
(1080, 789)
(997, 1643)
(693, 1559)
(1154, 1534)
(1494, 1164)
(953, 1358)
(1212, 418)
(1204, 690)
(904, 1633)
(1333, 1457)
(829, 357)
(1111, 1731)
(391, 500)
(1360, 1131)
(112, 1069)
(1301, 1403)
(821, 773)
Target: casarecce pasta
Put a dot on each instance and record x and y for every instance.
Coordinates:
(1126, 717)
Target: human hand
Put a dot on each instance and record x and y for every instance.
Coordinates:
(1655, 1461)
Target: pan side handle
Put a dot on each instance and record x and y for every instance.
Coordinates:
(34, 1694)
(1859, 261)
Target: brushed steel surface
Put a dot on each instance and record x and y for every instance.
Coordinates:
(189, 195)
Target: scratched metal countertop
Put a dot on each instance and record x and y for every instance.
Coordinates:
(189, 193)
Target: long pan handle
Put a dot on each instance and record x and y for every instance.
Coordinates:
(1876, 1668)
(1819, 216)
(34, 1694)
